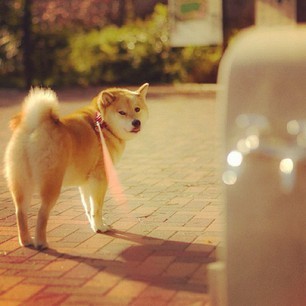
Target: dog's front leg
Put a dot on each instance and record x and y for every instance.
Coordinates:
(92, 195)
(85, 198)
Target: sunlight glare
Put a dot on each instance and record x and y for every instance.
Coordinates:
(229, 177)
(293, 127)
(286, 165)
(234, 158)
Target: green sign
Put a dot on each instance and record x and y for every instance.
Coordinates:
(190, 7)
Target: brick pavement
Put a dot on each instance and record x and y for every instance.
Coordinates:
(163, 239)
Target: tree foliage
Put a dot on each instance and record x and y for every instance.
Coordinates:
(140, 51)
(82, 42)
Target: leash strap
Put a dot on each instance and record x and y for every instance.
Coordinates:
(111, 173)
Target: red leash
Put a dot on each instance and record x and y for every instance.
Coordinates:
(111, 173)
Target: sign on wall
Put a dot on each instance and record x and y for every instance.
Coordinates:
(275, 12)
(195, 22)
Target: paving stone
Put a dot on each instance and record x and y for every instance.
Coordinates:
(153, 296)
(6, 282)
(127, 290)
(21, 292)
(43, 298)
(103, 280)
(62, 265)
(184, 298)
(4, 302)
(182, 270)
(154, 265)
(81, 270)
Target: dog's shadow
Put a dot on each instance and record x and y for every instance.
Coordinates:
(162, 263)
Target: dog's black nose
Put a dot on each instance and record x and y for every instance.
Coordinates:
(136, 123)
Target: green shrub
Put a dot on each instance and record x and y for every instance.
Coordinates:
(137, 52)
(140, 52)
(129, 54)
(201, 63)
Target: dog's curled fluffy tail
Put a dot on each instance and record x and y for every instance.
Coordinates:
(39, 105)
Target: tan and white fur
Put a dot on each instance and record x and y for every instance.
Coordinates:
(47, 152)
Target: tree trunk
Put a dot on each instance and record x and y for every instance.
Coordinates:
(225, 24)
(301, 11)
(26, 43)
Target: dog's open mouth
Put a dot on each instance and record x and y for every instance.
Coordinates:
(135, 130)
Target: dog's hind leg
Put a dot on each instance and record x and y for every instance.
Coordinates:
(22, 197)
(93, 193)
(21, 186)
(49, 193)
(20, 183)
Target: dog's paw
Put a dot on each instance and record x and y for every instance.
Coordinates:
(101, 228)
(40, 246)
(98, 225)
(27, 243)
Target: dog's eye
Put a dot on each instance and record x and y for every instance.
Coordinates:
(122, 113)
(137, 109)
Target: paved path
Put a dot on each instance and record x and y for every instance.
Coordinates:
(162, 241)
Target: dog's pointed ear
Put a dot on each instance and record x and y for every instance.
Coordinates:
(143, 89)
(106, 98)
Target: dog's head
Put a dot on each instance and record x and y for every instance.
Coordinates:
(124, 111)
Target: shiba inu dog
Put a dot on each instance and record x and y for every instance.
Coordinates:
(47, 152)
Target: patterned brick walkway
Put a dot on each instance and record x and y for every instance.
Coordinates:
(163, 239)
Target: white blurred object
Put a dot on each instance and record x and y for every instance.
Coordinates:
(275, 12)
(263, 101)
